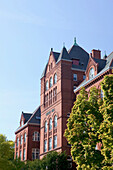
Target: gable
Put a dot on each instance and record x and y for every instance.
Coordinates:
(91, 64)
(51, 62)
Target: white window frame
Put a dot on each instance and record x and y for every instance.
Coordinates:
(36, 136)
(35, 153)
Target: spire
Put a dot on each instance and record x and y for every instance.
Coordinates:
(75, 42)
(63, 44)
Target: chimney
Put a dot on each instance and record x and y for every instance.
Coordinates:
(96, 54)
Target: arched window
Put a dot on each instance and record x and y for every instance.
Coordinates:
(50, 82)
(91, 73)
(50, 124)
(55, 121)
(45, 127)
(46, 85)
(17, 141)
(36, 136)
(25, 137)
(55, 78)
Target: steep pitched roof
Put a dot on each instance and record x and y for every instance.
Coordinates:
(76, 52)
(63, 55)
(31, 118)
(101, 63)
(36, 116)
(26, 116)
(56, 55)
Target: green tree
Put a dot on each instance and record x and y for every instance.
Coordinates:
(106, 127)
(52, 161)
(6, 152)
(82, 130)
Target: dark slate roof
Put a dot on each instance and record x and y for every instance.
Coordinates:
(26, 116)
(56, 55)
(101, 63)
(63, 55)
(108, 65)
(31, 118)
(76, 52)
(36, 116)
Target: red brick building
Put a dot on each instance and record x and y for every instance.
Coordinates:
(63, 73)
(97, 68)
(27, 142)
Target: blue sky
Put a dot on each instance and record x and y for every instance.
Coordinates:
(28, 29)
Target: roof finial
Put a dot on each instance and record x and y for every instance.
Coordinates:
(63, 44)
(75, 41)
(105, 56)
(51, 49)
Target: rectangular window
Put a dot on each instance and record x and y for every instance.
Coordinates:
(24, 152)
(84, 77)
(35, 153)
(21, 140)
(45, 146)
(50, 143)
(20, 156)
(75, 77)
(55, 141)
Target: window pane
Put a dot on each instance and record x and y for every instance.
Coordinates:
(20, 154)
(55, 78)
(51, 82)
(84, 77)
(50, 143)
(45, 146)
(55, 121)
(45, 130)
(24, 154)
(46, 85)
(50, 124)
(17, 141)
(25, 137)
(75, 77)
(55, 141)
(21, 139)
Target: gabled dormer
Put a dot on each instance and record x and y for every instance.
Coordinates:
(52, 60)
(22, 120)
(95, 64)
(92, 68)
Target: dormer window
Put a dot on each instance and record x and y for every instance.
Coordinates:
(75, 62)
(50, 82)
(91, 73)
